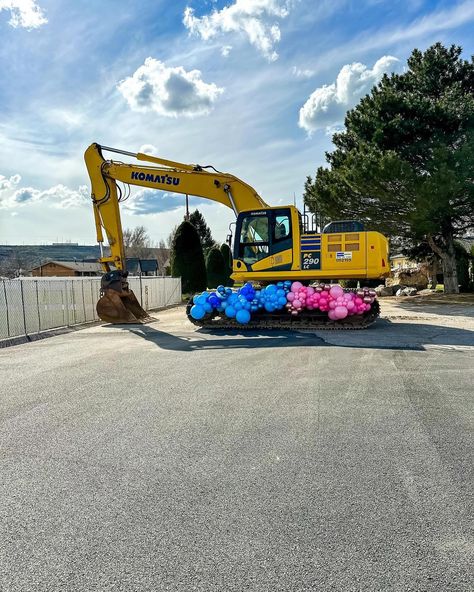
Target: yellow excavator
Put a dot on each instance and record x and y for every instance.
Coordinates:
(271, 244)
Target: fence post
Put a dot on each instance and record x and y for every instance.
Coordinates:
(23, 306)
(83, 301)
(38, 306)
(6, 308)
(141, 291)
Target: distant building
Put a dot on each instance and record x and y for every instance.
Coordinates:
(67, 269)
(137, 266)
(399, 262)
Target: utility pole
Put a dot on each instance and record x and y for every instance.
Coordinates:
(186, 216)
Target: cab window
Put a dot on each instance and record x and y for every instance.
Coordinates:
(254, 230)
(254, 239)
(282, 228)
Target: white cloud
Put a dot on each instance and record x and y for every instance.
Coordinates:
(58, 196)
(327, 105)
(153, 201)
(168, 91)
(24, 13)
(11, 183)
(148, 149)
(302, 73)
(253, 18)
(225, 50)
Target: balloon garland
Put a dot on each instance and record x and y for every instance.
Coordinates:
(242, 303)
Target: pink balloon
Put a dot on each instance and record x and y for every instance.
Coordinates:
(297, 303)
(340, 312)
(332, 305)
(358, 301)
(350, 305)
(332, 315)
(290, 296)
(368, 306)
(296, 286)
(336, 291)
(310, 290)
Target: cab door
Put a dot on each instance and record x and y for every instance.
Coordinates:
(264, 240)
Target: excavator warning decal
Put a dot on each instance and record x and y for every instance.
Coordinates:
(311, 251)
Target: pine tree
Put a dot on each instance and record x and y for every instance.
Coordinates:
(204, 232)
(187, 259)
(405, 162)
(217, 270)
(226, 253)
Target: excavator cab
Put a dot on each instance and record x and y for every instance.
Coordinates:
(264, 239)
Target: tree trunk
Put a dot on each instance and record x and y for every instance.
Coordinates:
(450, 272)
(448, 262)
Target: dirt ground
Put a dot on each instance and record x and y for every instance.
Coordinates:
(441, 309)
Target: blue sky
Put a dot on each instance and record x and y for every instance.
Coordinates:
(253, 87)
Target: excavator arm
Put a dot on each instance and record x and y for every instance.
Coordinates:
(174, 177)
(118, 303)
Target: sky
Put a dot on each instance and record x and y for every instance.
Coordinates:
(253, 87)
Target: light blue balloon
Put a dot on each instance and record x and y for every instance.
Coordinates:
(242, 316)
(271, 289)
(208, 307)
(230, 312)
(195, 298)
(197, 312)
(269, 307)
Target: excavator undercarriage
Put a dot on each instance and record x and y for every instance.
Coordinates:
(306, 320)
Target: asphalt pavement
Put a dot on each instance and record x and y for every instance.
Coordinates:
(164, 458)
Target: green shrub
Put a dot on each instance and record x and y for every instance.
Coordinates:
(187, 259)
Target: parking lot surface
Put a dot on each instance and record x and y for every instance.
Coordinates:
(159, 457)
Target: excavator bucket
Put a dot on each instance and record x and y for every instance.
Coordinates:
(118, 304)
(115, 307)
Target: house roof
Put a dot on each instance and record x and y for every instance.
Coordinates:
(81, 266)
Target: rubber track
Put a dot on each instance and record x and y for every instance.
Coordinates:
(305, 321)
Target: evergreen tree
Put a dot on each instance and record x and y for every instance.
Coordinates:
(226, 253)
(405, 162)
(199, 223)
(187, 259)
(216, 268)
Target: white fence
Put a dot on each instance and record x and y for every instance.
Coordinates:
(31, 305)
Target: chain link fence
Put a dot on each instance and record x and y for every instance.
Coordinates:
(31, 305)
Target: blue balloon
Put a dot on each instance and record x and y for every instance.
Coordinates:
(202, 300)
(197, 311)
(280, 292)
(220, 288)
(195, 298)
(269, 307)
(207, 307)
(282, 301)
(242, 316)
(271, 289)
(230, 311)
(214, 300)
(238, 306)
(228, 290)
